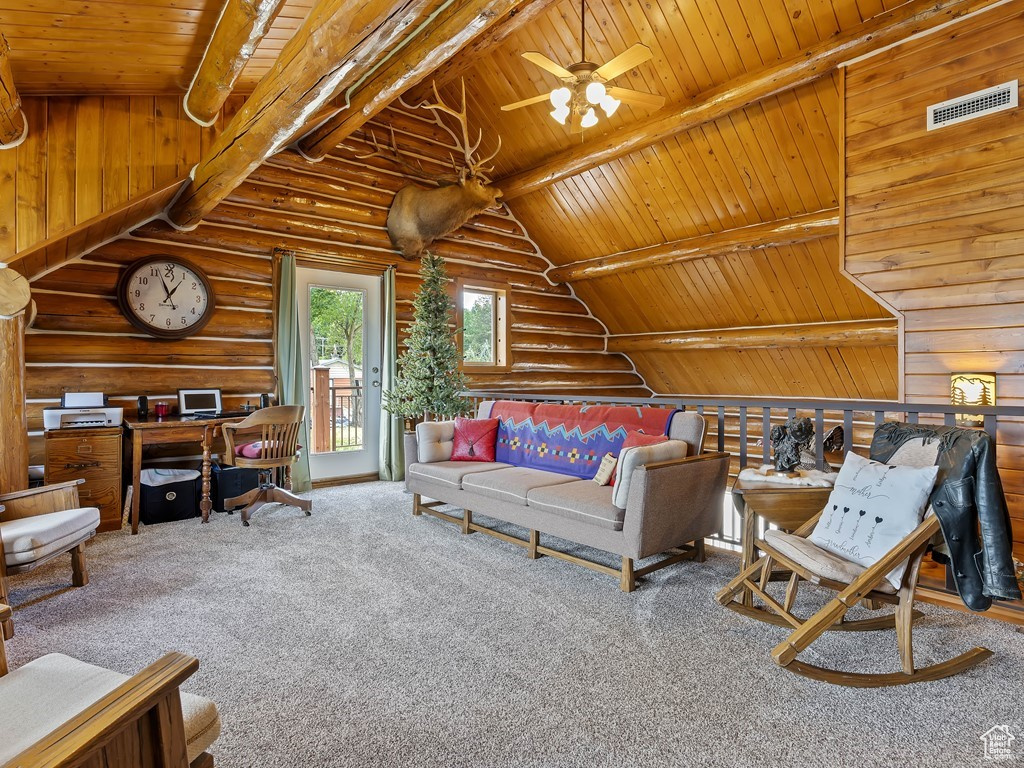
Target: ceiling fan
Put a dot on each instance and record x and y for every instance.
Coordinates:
(583, 84)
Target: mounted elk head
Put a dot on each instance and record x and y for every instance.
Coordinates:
(419, 215)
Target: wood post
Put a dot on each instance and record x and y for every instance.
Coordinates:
(338, 43)
(770, 234)
(12, 119)
(627, 581)
(240, 28)
(438, 43)
(15, 298)
(533, 543)
(416, 505)
(845, 333)
(903, 21)
(467, 521)
(321, 409)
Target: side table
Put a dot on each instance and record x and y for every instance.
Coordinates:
(783, 505)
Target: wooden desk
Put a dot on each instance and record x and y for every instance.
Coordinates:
(786, 506)
(170, 430)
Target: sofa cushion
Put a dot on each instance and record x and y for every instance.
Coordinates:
(512, 484)
(39, 697)
(581, 500)
(631, 458)
(450, 473)
(28, 539)
(474, 439)
(817, 560)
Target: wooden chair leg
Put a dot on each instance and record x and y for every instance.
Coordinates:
(79, 571)
(416, 505)
(627, 581)
(6, 623)
(467, 520)
(904, 634)
(5, 617)
(288, 477)
(700, 555)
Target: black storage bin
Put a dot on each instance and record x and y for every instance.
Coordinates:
(228, 482)
(168, 494)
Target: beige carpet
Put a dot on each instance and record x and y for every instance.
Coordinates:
(362, 636)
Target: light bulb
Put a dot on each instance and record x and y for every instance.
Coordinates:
(560, 97)
(560, 113)
(595, 92)
(609, 104)
(589, 119)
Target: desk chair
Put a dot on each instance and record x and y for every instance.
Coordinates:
(39, 524)
(58, 711)
(266, 440)
(799, 560)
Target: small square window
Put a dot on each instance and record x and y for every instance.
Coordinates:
(483, 321)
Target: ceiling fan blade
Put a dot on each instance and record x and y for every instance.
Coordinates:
(525, 102)
(542, 61)
(630, 96)
(624, 62)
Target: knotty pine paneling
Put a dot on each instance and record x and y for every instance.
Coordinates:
(87, 155)
(334, 210)
(935, 219)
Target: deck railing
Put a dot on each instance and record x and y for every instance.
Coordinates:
(337, 414)
(737, 425)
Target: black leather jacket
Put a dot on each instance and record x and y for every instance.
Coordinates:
(967, 494)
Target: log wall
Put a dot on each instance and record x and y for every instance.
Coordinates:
(87, 155)
(333, 211)
(934, 220)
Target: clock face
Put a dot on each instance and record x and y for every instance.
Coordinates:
(165, 296)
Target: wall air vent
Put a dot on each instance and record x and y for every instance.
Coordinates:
(977, 104)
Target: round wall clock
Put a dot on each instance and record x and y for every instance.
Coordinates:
(165, 296)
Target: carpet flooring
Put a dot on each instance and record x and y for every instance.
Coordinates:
(362, 636)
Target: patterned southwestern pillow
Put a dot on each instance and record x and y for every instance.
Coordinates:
(474, 439)
(872, 508)
(634, 440)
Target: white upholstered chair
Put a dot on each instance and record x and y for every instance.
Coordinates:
(39, 524)
(59, 711)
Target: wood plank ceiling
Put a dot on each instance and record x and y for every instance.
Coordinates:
(126, 47)
(774, 159)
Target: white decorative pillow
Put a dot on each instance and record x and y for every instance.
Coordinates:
(631, 458)
(872, 508)
(607, 468)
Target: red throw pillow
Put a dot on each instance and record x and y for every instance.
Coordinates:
(475, 439)
(634, 439)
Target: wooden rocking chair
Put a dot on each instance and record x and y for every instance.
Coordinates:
(273, 433)
(802, 560)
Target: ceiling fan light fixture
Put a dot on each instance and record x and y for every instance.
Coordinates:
(589, 119)
(560, 97)
(609, 104)
(595, 92)
(561, 113)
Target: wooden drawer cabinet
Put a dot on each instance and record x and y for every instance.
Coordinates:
(94, 455)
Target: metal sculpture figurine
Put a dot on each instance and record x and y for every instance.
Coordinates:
(788, 441)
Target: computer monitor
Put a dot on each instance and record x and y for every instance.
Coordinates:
(198, 400)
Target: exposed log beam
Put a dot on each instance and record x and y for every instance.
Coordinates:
(12, 120)
(848, 333)
(798, 229)
(340, 41)
(436, 44)
(908, 19)
(240, 28)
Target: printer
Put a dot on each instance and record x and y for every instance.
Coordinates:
(82, 409)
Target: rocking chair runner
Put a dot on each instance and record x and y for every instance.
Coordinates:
(803, 560)
(267, 440)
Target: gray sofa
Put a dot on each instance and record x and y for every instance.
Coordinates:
(670, 500)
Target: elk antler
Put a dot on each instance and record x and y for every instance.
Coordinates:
(394, 155)
(472, 167)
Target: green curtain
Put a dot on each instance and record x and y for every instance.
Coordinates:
(392, 461)
(290, 361)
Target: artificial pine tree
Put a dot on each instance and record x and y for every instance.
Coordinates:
(429, 380)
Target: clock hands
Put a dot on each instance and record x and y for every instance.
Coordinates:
(168, 292)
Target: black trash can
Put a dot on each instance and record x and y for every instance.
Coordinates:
(227, 482)
(168, 494)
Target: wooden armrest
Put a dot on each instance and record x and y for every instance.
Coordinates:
(5, 612)
(41, 489)
(41, 501)
(91, 728)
